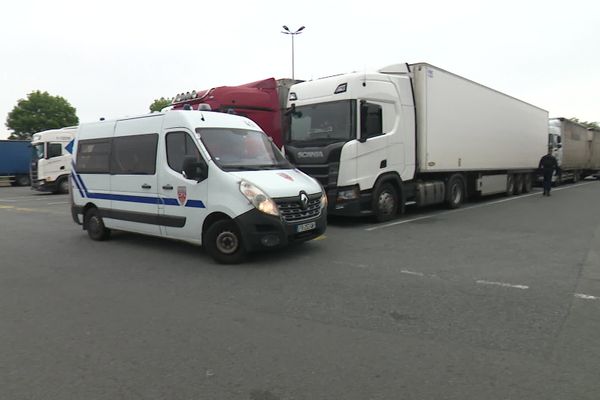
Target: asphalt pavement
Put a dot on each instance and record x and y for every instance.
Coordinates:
(497, 300)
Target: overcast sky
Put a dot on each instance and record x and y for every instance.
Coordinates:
(113, 58)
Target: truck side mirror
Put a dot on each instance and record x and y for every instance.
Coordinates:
(194, 169)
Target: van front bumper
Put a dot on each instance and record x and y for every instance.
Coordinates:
(261, 231)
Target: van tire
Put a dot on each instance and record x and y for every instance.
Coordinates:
(223, 242)
(385, 202)
(94, 224)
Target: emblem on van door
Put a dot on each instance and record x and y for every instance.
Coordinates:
(303, 200)
(181, 195)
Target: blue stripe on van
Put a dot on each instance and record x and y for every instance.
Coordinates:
(77, 184)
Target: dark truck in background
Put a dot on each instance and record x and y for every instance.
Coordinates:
(15, 157)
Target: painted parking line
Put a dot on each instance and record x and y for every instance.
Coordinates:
(503, 284)
(58, 202)
(586, 296)
(467, 208)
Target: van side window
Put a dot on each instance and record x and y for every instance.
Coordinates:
(134, 155)
(180, 145)
(93, 156)
(54, 150)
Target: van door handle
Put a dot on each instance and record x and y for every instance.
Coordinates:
(146, 186)
(168, 187)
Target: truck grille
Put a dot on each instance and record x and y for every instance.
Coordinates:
(326, 174)
(291, 209)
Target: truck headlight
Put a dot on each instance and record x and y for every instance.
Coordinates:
(258, 198)
(347, 194)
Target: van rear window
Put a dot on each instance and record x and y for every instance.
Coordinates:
(93, 156)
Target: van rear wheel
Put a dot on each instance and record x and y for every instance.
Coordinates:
(95, 225)
(223, 242)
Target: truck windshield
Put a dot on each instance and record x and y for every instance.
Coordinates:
(240, 149)
(330, 122)
(37, 151)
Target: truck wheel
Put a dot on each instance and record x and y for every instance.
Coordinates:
(223, 242)
(455, 192)
(575, 176)
(518, 184)
(527, 183)
(63, 186)
(510, 184)
(95, 225)
(23, 180)
(385, 203)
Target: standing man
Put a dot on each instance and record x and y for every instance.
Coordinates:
(548, 165)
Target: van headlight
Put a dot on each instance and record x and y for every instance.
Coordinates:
(258, 198)
(324, 201)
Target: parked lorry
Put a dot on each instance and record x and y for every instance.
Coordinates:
(262, 101)
(412, 134)
(51, 160)
(14, 162)
(576, 148)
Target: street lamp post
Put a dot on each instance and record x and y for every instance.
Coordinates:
(286, 31)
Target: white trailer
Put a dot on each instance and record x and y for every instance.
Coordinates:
(51, 161)
(412, 134)
(576, 148)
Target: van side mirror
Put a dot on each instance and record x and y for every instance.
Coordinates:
(194, 169)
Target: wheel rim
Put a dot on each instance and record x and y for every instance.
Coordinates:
(386, 203)
(227, 242)
(456, 193)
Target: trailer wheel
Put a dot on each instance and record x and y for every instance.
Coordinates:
(23, 180)
(575, 176)
(455, 191)
(223, 242)
(385, 203)
(527, 183)
(518, 184)
(510, 184)
(94, 225)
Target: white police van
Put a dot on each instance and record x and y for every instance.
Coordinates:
(202, 177)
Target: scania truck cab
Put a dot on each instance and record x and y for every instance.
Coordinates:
(51, 160)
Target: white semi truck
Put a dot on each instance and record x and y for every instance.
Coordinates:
(51, 161)
(576, 148)
(411, 134)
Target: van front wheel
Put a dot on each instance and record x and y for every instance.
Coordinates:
(223, 242)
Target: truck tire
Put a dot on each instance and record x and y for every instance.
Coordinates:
(455, 191)
(94, 224)
(527, 183)
(510, 184)
(385, 202)
(223, 242)
(23, 180)
(575, 176)
(518, 184)
(62, 186)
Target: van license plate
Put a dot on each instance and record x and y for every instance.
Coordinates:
(306, 227)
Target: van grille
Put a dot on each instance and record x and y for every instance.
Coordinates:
(291, 209)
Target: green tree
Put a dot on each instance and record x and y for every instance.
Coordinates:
(159, 104)
(40, 112)
(587, 124)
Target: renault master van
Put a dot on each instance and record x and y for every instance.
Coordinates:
(198, 176)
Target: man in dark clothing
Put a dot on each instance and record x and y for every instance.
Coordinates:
(548, 165)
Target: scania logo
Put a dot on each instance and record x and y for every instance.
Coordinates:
(303, 200)
(310, 154)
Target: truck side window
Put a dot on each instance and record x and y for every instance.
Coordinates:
(93, 156)
(180, 145)
(54, 150)
(371, 120)
(134, 155)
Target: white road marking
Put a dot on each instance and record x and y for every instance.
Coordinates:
(503, 284)
(466, 208)
(351, 264)
(58, 202)
(405, 271)
(586, 296)
(8, 201)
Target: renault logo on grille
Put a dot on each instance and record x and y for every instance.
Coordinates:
(303, 200)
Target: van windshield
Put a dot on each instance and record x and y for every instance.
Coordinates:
(241, 149)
